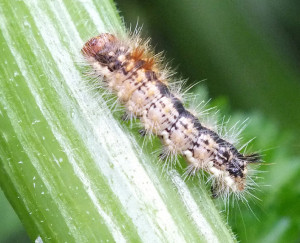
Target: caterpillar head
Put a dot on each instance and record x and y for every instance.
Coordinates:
(98, 43)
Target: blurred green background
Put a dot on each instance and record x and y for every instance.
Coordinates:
(248, 54)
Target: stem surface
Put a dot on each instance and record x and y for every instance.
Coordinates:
(71, 171)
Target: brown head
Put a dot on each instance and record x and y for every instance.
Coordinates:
(96, 44)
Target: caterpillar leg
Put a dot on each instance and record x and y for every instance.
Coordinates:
(125, 117)
(143, 132)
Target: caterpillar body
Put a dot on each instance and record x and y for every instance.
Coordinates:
(133, 73)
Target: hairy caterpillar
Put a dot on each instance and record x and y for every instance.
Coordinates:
(134, 74)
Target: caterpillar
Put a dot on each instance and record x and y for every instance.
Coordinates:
(134, 74)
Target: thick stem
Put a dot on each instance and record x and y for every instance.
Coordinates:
(70, 170)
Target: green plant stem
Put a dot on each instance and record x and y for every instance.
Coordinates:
(68, 168)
